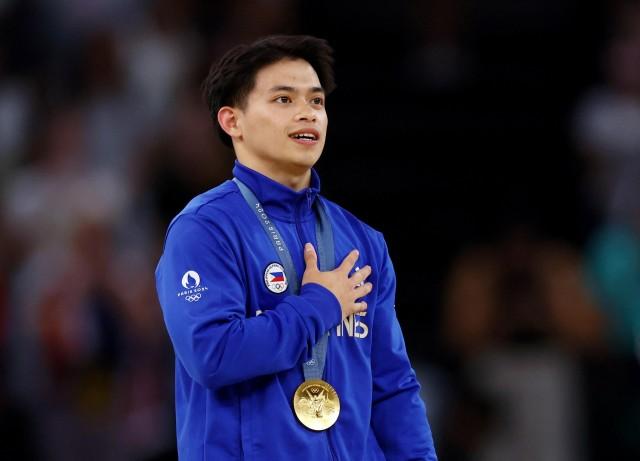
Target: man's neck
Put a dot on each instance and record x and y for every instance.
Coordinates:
(292, 180)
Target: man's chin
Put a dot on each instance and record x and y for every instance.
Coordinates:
(305, 162)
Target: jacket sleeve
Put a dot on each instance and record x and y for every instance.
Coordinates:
(398, 415)
(212, 337)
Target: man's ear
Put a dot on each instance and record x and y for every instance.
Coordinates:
(228, 120)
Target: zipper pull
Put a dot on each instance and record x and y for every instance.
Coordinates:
(309, 198)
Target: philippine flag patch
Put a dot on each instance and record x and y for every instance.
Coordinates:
(274, 278)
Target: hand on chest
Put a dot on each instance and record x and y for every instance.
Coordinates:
(271, 283)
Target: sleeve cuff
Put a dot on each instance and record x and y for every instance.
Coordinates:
(319, 306)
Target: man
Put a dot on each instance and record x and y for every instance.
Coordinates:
(271, 365)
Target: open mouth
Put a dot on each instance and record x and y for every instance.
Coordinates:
(304, 136)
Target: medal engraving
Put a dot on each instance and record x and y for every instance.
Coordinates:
(316, 404)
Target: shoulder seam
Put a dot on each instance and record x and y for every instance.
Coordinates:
(219, 197)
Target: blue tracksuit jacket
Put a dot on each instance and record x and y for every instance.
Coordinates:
(240, 345)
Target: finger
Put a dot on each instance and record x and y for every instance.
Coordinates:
(349, 261)
(363, 290)
(360, 276)
(310, 257)
(360, 306)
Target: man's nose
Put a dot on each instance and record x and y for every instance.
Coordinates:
(306, 113)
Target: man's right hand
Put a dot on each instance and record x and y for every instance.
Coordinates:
(347, 289)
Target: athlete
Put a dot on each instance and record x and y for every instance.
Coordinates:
(278, 302)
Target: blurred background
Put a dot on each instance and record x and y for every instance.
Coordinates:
(495, 143)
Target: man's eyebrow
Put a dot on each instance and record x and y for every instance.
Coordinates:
(313, 89)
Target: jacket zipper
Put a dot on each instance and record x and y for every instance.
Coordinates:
(331, 452)
(299, 229)
(334, 457)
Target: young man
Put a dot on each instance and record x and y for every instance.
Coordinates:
(278, 358)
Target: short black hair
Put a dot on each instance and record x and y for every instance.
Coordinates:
(231, 79)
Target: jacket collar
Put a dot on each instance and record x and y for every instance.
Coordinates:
(278, 200)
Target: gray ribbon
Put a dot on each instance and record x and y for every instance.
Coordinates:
(313, 368)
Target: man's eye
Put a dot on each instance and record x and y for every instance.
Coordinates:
(318, 101)
(283, 99)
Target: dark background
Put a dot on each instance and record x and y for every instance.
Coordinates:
(452, 131)
(437, 169)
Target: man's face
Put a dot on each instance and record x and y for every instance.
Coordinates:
(284, 122)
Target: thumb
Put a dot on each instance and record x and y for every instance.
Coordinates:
(310, 257)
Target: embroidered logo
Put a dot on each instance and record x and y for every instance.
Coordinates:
(190, 279)
(193, 290)
(275, 279)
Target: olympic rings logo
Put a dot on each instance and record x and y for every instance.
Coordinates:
(193, 298)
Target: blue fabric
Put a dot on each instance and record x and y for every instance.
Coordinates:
(313, 369)
(240, 347)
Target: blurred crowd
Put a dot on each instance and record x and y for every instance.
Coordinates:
(534, 344)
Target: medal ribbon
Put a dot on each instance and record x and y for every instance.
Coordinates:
(313, 368)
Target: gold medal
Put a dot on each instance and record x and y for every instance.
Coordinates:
(316, 404)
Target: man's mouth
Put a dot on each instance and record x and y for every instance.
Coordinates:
(304, 136)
